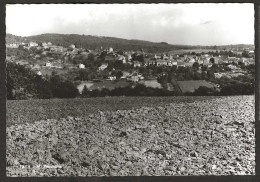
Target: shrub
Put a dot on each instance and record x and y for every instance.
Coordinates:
(204, 91)
(23, 83)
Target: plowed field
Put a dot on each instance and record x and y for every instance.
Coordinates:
(202, 137)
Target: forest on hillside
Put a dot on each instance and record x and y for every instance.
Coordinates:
(96, 42)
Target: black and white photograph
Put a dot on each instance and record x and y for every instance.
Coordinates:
(163, 89)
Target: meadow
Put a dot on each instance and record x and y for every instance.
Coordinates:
(192, 85)
(151, 83)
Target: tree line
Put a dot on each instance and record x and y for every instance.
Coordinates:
(23, 83)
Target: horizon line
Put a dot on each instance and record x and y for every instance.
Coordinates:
(137, 40)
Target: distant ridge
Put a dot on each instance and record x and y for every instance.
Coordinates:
(96, 42)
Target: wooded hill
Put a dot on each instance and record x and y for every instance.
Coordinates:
(96, 42)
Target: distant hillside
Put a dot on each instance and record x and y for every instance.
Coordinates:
(94, 42)
(13, 39)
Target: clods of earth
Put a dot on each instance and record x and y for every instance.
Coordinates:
(210, 137)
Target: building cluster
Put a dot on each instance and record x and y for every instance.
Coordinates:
(48, 55)
(189, 60)
(185, 60)
(58, 57)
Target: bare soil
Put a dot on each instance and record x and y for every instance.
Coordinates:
(204, 137)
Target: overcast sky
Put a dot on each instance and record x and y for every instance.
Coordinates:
(190, 24)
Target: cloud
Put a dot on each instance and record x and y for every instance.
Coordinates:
(206, 24)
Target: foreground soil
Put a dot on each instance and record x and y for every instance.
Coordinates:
(204, 137)
(43, 109)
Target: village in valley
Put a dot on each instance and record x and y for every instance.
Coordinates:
(132, 89)
(182, 70)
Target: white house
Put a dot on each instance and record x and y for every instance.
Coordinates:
(44, 45)
(157, 57)
(232, 67)
(125, 74)
(72, 46)
(217, 75)
(161, 62)
(133, 78)
(111, 78)
(44, 53)
(149, 62)
(251, 52)
(37, 56)
(103, 66)
(22, 62)
(190, 60)
(129, 57)
(39, 73)
(32, 44)
(165, 57)
(174, 63)
(121, 58)
(251, 60)
(200, 61)
(81, 66)
(36, 67)
(14, 45)
(48, 64)
(140, 77)
(110, 49)
(232, 59)
(205, 60)
(242, 60)
(137, 64)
